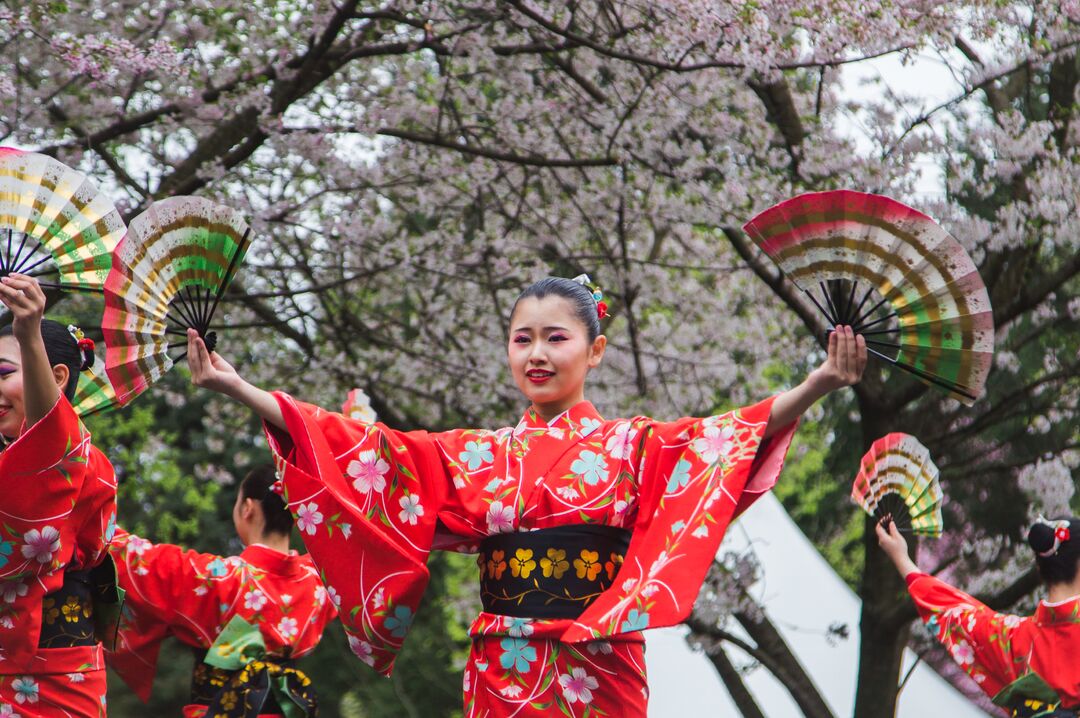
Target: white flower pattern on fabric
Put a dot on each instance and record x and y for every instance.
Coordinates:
(41, 545)
(288, 628)
(500, 519)
(308, 517)
(254, 600)
(368, 472)
(362, 650)
(577, 686)
(715, 442)
(13, 590)
(620, 444)
(26, 690)
(411, 510)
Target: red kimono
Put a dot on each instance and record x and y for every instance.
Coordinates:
(192, 596)
(371, 503)
(997, 649)
(57, 514)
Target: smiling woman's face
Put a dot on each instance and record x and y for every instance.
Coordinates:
(11, 387)
(550, 353)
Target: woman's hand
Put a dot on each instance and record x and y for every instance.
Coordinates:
(845, 363)
(210, 371)
(895, 546)
(843, 367)
(23, 297)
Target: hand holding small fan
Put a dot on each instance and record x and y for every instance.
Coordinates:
(898, 478)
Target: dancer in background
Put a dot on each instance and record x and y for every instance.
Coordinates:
(56, 517)
(589, 530)
(247, 617)
(1027, 664)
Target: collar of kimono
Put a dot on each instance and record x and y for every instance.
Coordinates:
(1048, 614)
(577, 422)
(271, 560)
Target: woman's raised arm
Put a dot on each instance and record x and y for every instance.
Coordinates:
(210, 371)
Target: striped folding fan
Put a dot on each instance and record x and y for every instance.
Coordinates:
(898, 478)
(93, 393)
(892, 274)
(169, 274)
(54, 223)
(357, 406)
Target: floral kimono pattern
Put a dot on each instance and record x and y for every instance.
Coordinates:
(193, 596)
(371, 503)
(57, 514)
(997, 649)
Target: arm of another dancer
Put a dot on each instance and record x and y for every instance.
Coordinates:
(978, 638)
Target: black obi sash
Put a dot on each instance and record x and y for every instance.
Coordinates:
(550, 573)
(83, 611)
(249, 691)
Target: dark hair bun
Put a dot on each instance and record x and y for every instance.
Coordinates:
(1041, 537)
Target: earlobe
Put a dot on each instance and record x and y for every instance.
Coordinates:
(61, 374)
(596, 353)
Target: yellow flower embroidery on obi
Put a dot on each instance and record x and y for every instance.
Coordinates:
(522, 563)
(588, 565)
(72, 608)
(612, 567)
(495, 565)
(555, 563)
(50, 610)
(228, 700)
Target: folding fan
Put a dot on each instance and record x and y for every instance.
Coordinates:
(898, 477)
(93, 393)
(54, 223)
(169, 274)
(892, 274)
(358, 406)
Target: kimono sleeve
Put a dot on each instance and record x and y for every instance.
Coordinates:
(694, 477)
(365, 499)
(169, 591)
(43, 474)
(977, 637)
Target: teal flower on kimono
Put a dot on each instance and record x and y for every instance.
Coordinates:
(26, 690)
(635, 621)
(6, 548)
(400, 622)
(217, 568)
(518, 654)
(680, 476)
(590, 466)
(476, 454)
(110, 529)
(589, 425)
(932, 626)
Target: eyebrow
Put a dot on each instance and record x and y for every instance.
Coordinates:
(525, 329)
(5, 360)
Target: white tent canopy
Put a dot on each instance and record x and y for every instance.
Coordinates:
(803, 597)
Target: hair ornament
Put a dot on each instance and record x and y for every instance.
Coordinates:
(86, 346)
(1061, 534)
(597, 294)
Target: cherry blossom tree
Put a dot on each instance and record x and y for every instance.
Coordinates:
(409, 166)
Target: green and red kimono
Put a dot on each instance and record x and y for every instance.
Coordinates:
(56, 518)
(372, 502)
(194, 596)
(1027, 664)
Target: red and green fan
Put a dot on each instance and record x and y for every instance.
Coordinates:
(169, 274)
(892, 274)
(93, 393)
(54, 223)
(899, 479)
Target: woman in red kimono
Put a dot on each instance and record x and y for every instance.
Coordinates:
(1029, 665)
(246, 617)
(588, 529)
(56, 516)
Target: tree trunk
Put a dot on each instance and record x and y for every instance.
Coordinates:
(738, 691)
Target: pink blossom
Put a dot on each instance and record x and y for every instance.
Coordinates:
(578, 686)
(41, 545)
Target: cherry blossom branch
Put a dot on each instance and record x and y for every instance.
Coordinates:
(494, 154)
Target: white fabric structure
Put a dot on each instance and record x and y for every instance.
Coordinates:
(803, 597)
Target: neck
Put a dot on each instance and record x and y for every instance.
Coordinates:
(278, 542)
(549, 410)
(1063, 591)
